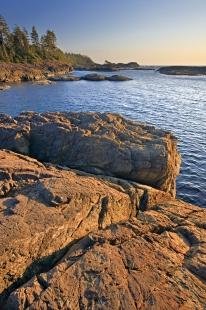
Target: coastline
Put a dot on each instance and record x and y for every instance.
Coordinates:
(19, 72)
(88, 210)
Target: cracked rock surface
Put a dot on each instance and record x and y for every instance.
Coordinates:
(99, 143)
(74, 239)
(70, 240)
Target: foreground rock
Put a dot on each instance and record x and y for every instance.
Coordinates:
(97, 143)
(183, 70)
(70, 240)
(10, 72)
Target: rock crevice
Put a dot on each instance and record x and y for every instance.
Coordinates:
(98, 238)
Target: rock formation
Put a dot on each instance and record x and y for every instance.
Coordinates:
(183, 70)
(10, 72)
(109, 66)
(4, 87)
(65, 78)
(118, 78)
(75, 240)
(99, 77)
(97, 143)
(70, 240)
(93, 77)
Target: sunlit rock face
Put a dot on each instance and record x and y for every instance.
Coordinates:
(97, 239)
(11, 72)
(86, 226)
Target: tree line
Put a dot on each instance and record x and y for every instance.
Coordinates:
(20, 46)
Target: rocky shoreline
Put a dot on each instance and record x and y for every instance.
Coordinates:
(89, 218)
(13, 73)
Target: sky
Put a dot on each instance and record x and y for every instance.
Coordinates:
(151, 32)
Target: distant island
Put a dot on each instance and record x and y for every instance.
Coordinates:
(183, 70)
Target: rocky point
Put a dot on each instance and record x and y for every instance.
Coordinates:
(89, 218)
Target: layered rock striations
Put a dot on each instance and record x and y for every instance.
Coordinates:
(71, 239)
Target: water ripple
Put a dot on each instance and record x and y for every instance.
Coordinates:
(173, 103)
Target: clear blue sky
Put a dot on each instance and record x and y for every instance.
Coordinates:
(146, 31)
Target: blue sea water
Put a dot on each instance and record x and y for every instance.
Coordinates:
(173, 103)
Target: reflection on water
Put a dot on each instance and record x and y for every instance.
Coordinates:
(173, 103)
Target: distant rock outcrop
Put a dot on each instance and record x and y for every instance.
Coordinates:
(97, 143)
(110, 66)
(100, 77)
(183, 70)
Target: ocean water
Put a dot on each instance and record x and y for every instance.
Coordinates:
(173, 103)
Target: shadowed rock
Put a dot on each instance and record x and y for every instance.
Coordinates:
(183, 70)
(67, 78)
(97, 143)
(118, 78)
(100, 77)
(93, 77)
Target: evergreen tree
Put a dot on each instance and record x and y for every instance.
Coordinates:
(4, 31)
(34, 37)
(20, 44)
(48, 40)
(4, 40)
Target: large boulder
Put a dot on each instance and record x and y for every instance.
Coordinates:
(98, 143)
(93, 77)
(118, 78)
(70, 240)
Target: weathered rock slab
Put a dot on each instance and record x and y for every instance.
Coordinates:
(140, 264)
(43, 209)
(98, 143)
(72, 240)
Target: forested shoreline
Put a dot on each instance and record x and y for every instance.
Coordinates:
(22, 46)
